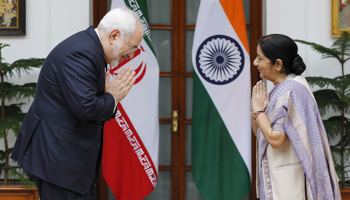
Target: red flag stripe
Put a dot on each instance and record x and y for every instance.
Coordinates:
(125, 152)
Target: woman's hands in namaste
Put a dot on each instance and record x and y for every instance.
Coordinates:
(260, 100)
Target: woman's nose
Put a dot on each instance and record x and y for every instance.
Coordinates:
(255, 62)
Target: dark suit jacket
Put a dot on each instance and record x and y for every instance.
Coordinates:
(60, 138)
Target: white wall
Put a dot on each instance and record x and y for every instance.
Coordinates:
(48, 22)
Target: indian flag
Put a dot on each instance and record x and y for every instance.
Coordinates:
(131, 139)
(221, 127)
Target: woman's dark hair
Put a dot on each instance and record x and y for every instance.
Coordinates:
(278, 46)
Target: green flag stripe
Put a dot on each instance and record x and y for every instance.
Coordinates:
(217, 166)
(140, 7)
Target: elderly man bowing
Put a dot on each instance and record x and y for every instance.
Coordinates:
(60, 140)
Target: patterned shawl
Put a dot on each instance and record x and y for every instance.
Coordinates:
(293, 110)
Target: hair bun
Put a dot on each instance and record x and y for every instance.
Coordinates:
(298, 66)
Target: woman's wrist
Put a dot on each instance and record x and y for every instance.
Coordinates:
(259, 113)
(253, 116)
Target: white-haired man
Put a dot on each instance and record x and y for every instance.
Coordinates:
(60, 140)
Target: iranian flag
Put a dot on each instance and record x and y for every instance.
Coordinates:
(131, 139)
(221, 127)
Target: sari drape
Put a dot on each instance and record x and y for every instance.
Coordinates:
(293, 110)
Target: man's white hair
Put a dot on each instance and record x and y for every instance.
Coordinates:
(123, 19)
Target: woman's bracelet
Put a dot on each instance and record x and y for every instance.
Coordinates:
(258, 114)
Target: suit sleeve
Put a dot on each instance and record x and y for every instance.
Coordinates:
(80, 78)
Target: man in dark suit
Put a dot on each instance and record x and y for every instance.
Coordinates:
(60, 139)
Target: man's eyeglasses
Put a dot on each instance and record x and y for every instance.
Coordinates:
(133, 49)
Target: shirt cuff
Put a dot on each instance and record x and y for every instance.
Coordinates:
(115, 106)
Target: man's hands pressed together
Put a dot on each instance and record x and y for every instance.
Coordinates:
(121, 85)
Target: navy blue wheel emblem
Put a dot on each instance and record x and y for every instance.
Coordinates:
(220, 59)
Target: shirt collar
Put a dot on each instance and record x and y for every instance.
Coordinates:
(97, 34)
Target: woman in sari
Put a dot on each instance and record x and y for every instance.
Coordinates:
(293, 155)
